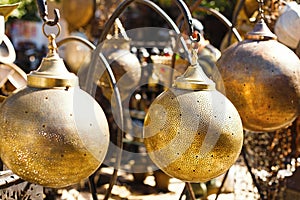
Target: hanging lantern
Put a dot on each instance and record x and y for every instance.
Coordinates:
(76, 54)
(125, 66)
(78, 13)
(191, 131)
(52, 133)
(261, 78)
(287, 26)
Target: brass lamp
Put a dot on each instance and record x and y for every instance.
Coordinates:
(261, 78)
(191, 131)
(125, 66)
(52, 132)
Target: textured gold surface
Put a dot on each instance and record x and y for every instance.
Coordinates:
(193, 136)
(78, 13)
(52, 137)
(262, 80)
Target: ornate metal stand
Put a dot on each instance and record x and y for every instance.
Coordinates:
(269, 157)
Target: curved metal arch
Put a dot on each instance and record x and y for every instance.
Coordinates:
(90, 45)
(222, 18)
(122, 6)
(196, 6)
(11, 57)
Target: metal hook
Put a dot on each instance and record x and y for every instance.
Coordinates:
(53, 22)
(194, 35)
(43, 10)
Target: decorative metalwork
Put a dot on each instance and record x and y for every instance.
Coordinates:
(272, 158)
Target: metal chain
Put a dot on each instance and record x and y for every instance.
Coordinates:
(260, 8)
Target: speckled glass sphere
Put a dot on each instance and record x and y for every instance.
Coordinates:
(191, 135)
(53, 137)
(261, 79)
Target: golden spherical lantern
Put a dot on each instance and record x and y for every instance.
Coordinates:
(76, 54)
(191, 131)
(78, 13)
(52, 133)
(261, 78)
(125, 66)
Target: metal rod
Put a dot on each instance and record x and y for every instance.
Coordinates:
(1, 165)
(43, 10)
(235, 14)
(93, 187)
(183, 192)
(188, 18)
(190, 190)
(217, 14)
(78, 39)
(222, 184)
(223, 19)
(120, 135)
(192, 8)
(173, 62)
